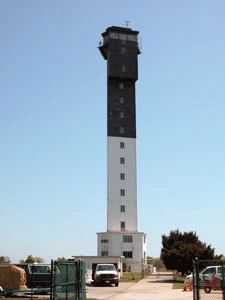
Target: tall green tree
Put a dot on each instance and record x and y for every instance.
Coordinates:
(180, 248)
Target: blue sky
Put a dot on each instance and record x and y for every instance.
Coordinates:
(53, 123)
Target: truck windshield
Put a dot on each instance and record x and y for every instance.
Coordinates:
(40, 269)
(210, 271)
(106, 268)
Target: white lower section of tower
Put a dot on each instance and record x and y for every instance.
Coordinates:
(122, 237)
(121, 184)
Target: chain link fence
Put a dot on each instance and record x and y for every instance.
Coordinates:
(68, 280)
(208, 279)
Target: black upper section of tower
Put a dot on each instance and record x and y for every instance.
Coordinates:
(120, 49)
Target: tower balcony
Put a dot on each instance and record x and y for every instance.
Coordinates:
(103, 49)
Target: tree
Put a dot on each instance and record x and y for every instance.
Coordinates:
(4, 260)
(39, 260)
(30, 260)
(62, 259)
(179, 249)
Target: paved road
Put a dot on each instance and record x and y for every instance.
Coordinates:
(154, 287)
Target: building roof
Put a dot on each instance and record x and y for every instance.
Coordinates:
(120, 29)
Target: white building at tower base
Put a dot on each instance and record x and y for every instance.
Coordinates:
(131, 245)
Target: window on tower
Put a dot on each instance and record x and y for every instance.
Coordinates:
(122, 208)
(121, 100)
(123, 36)
(122, 85)
(123, 49)
(121, 114)
(122, 160)
(132, 38)
(123, 68)
(122, 176)
(122, 192)
(122, 226)
(105, 253)
(122, 130)
(114, 35)
(122, 145)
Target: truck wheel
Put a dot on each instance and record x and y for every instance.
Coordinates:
(207, 290)
(96, 283)
(116, 283)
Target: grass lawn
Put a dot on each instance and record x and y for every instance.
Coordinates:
(178, 282)
(131, 277)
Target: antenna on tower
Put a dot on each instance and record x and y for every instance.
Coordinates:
(127, 23)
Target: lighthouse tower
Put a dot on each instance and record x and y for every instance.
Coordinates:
(120, 49)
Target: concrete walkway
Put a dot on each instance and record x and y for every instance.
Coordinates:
(154, 287)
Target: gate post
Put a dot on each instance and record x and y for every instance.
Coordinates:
(51, 279)
(79, 278)
(223, 280)
(83, 281)
(195, 279)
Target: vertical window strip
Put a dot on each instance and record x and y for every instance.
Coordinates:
(122, 145)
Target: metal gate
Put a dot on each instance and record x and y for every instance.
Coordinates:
(68, 280)
(208, 280)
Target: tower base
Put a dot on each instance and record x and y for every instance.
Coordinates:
(131, 245)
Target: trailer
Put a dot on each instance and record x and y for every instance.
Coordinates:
(7, 293)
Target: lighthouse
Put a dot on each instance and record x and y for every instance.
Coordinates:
(120, 48)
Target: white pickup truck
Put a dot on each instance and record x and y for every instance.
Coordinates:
(106, 273)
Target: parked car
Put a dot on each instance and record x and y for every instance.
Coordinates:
(106, 273)
(38, 275)
(207, 276)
